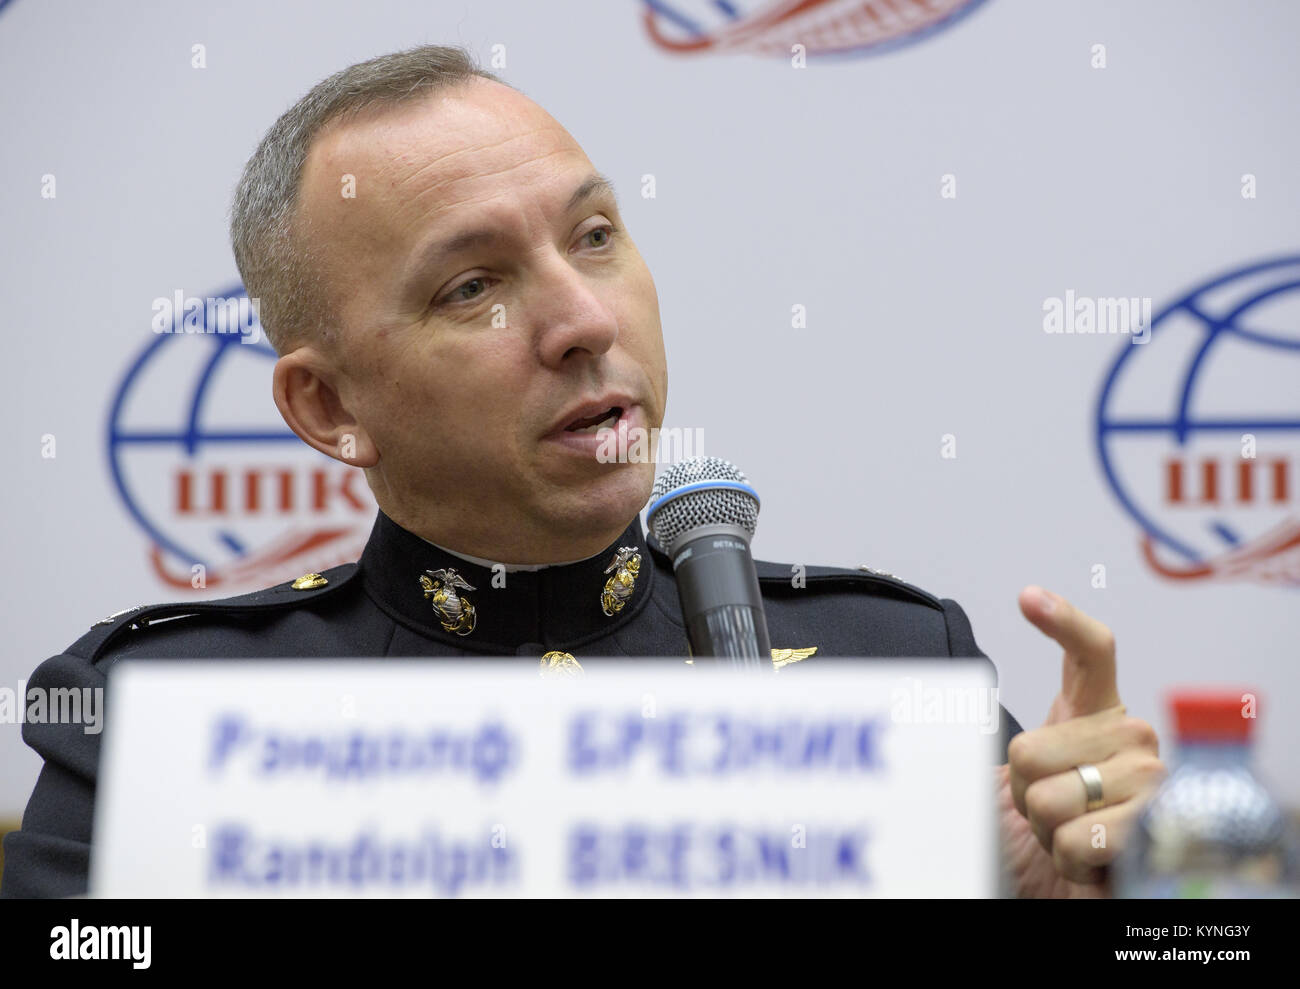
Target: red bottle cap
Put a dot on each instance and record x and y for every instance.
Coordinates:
(1217, 715)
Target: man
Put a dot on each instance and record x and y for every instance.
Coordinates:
(460, 328)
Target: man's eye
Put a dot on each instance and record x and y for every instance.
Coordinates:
(607, 234)
(472, 288)
(467, 291)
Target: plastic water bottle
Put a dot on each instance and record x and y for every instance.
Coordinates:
(1211, 829)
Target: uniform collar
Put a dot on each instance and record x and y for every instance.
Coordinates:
(509, 567)
(557, 607)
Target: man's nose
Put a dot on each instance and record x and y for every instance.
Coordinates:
(570, 315)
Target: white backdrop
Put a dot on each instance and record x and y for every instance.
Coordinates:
(775, 186)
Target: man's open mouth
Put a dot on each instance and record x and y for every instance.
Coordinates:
(592, 424)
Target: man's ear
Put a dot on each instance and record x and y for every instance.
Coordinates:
(306, 397)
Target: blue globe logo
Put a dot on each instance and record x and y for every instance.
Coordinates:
(226, 494)
(1198, 429)
(823, 27)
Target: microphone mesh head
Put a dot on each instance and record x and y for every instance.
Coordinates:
(706, 506)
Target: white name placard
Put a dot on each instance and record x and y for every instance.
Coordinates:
(414, 778)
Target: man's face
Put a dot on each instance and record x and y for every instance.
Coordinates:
(467, 364)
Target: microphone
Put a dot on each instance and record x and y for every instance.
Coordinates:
(703, 513)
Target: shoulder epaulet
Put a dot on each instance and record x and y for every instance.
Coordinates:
(864, 578)
(290, 594)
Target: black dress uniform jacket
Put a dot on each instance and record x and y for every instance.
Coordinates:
(377, 607)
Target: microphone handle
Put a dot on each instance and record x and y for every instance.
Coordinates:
(732, 631)
(720, 597)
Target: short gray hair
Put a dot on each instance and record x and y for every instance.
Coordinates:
(277, 268)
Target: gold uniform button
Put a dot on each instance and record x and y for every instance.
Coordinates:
(559, 664)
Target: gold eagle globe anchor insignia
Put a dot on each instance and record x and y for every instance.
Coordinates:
(625, 566)
(455, 613)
